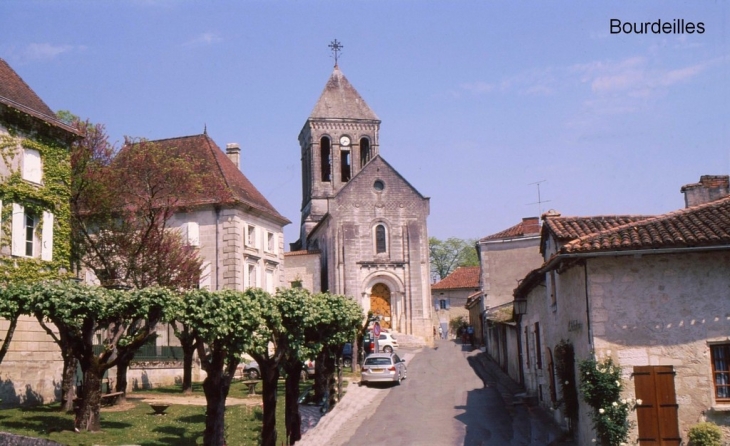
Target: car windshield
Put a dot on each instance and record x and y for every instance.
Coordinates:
(377, 361)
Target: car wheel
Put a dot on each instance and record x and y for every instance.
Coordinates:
(253, 374)
(388, 349)
(400, 378)
(347, 363)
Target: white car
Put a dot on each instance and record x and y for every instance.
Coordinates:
(380, 367)
(387, 343)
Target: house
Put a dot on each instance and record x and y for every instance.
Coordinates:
(238, 233)
(504, 259)
(451, 294)
(34, 229)
(653, 294)
(365, 220)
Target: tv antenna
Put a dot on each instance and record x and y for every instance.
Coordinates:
(539, 201)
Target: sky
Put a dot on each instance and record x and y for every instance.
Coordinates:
(480, 101)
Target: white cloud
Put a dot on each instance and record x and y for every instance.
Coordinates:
(44, 51)
(204, 39)
(478, 87)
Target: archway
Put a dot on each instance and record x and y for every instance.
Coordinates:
(380, 304)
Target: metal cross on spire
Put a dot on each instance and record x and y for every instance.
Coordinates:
(336, 47)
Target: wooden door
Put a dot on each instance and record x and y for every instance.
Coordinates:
(380, 303)
(657, 414)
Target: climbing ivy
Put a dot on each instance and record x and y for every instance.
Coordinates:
(52, 196)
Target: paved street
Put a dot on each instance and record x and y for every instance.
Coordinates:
(451, 397)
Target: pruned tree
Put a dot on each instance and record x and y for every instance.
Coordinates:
(224, 324)
(337, 321)
(447, 255)
(13, 304)
(124, 320)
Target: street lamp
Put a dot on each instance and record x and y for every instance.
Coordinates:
(520, 306)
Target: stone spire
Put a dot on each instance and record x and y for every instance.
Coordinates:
(340, 100)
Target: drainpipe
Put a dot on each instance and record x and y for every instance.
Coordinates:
(589, 329)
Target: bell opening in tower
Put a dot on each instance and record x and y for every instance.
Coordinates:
(345, 165)
(326, 159)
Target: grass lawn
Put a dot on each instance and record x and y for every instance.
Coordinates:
(181, 425)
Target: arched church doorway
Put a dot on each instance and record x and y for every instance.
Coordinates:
(380, 303)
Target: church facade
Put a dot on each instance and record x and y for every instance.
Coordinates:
(364, 220)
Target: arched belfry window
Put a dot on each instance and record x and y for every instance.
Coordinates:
(325, 158)
(381, 244)
(364, 151)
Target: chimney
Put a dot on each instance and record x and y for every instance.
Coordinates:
(233, 150)
(531, 225)
(710, 188)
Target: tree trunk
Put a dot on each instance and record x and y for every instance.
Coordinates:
(188, 354)
(216, 386)
(68, 387)
(292, 420)
(88, 419)
(8, 337)
(320, 378)
(270, 378)
(121, 384)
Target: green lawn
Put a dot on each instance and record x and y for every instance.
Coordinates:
(182, 425)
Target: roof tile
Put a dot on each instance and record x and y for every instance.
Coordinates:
(462, 277)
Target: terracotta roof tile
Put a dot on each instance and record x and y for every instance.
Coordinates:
(15, 93)
(302, 252)
(528, 226)
(570, 228)
(224, 183)
(462, 277)
(702, 225)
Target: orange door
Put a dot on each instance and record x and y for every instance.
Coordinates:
(380, 303)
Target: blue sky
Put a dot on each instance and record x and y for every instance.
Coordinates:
(478, 99)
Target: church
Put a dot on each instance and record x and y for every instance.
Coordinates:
(363, 226)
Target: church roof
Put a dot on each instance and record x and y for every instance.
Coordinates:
(340, 100)
(224, 182)
(15, 93)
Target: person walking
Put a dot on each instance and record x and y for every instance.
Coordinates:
(441, 332)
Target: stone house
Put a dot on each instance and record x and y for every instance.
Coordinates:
(653, 294)
(239, 235)
(504, 259)
(362, 216)
(34, 230)
(451, 294)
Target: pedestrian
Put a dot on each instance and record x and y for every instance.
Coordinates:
(470, 333)
(441, 332)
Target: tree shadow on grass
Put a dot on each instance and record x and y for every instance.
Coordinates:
(176, 436)
(42, 423)
(192, 419)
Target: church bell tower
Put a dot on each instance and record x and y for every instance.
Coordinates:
(338, 139)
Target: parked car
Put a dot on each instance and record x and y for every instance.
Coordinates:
(347, 355)
(387, 343)
(309, 365)
(383, 367)
(251, 370)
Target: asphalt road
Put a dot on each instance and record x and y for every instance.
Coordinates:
(443, 402)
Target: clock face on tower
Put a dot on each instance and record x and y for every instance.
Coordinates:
(345, 141)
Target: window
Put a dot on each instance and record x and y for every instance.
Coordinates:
(443, 304)
(720, 356)
(270, 281)
(380, 241)
(29, 233)
(31, 168)
(270, 242)
(345, 165)
(191, 233)
(251, 236)
(378, 185)
(325, 158)
(364, 151)
(252, 276)
(24, 240)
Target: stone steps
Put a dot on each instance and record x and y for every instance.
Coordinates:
(408, 341)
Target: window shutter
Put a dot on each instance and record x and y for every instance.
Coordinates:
(32, 165)
(18, 234)
(47, 237)
(447, 303)
(193, 233)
